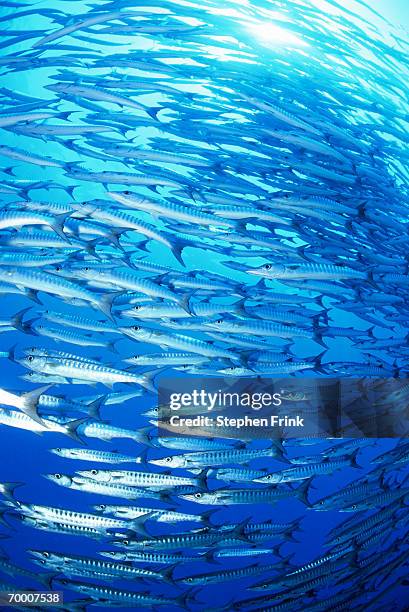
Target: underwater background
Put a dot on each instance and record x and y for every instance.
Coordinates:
(214, 190)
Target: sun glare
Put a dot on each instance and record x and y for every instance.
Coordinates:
(271, 34)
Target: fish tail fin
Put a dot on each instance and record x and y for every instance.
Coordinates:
(205, 516)
(90, 248)
(17, 320)
(178, 246)
(142, 436)
(71, 429)
(202, 479)
(47, 580)
(318, 339)
(319, 299)
(210, 557)
(320, 317)
(12, 353)
(114, 236)
(111, 346)
(167, 574)
(9, 488)
(58, 225)
(244, 357)
(148, 380)
(371, 279)
(239, 530)
(184, 600)
(105, 304)
(94, 408)
(9, 171)
(185, 304)
(138, 524)
(239, 307)
(354, 461)
(318, 362)
(32, 294)
(153, 112)
(302, 492)
(370, 332)
(289, 536)
(30, 404)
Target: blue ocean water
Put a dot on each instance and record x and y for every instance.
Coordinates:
(297, 110)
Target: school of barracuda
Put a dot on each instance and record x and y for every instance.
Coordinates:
(183, 195)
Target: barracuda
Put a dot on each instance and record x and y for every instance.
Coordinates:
(217, 457)
(95, 565)
(121, 219)
(161, 359)
(19, 218)
(155, 558)
(64, 318)
(42, 281)
(82, 370)
(79, 25)
(71, 337)
(228, 575)
(69, 517)
(126, 598)
(170, 211)
(158, 514)
(259, 328)
(176, 341)
(10, 119)
(307, 471)
(121, 178)
(98, 456)
(229, 497)
(307, 271)
(126, 279)
(139, 479)
(25, 156)
(203, 539)
(88, 485)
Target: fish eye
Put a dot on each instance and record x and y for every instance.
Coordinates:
(46, 554)
(94, 472)
(127, 193)
(42, 561)
(136, 307)
(30, 358)
(86, 269)
(190, 579)
(58, 450)
(267, 267)
(101, 507)
(136, 328)
(125, 542)
(58, 268)
(219, 322)
(168, 459)
(57, 476)
(198, 495)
